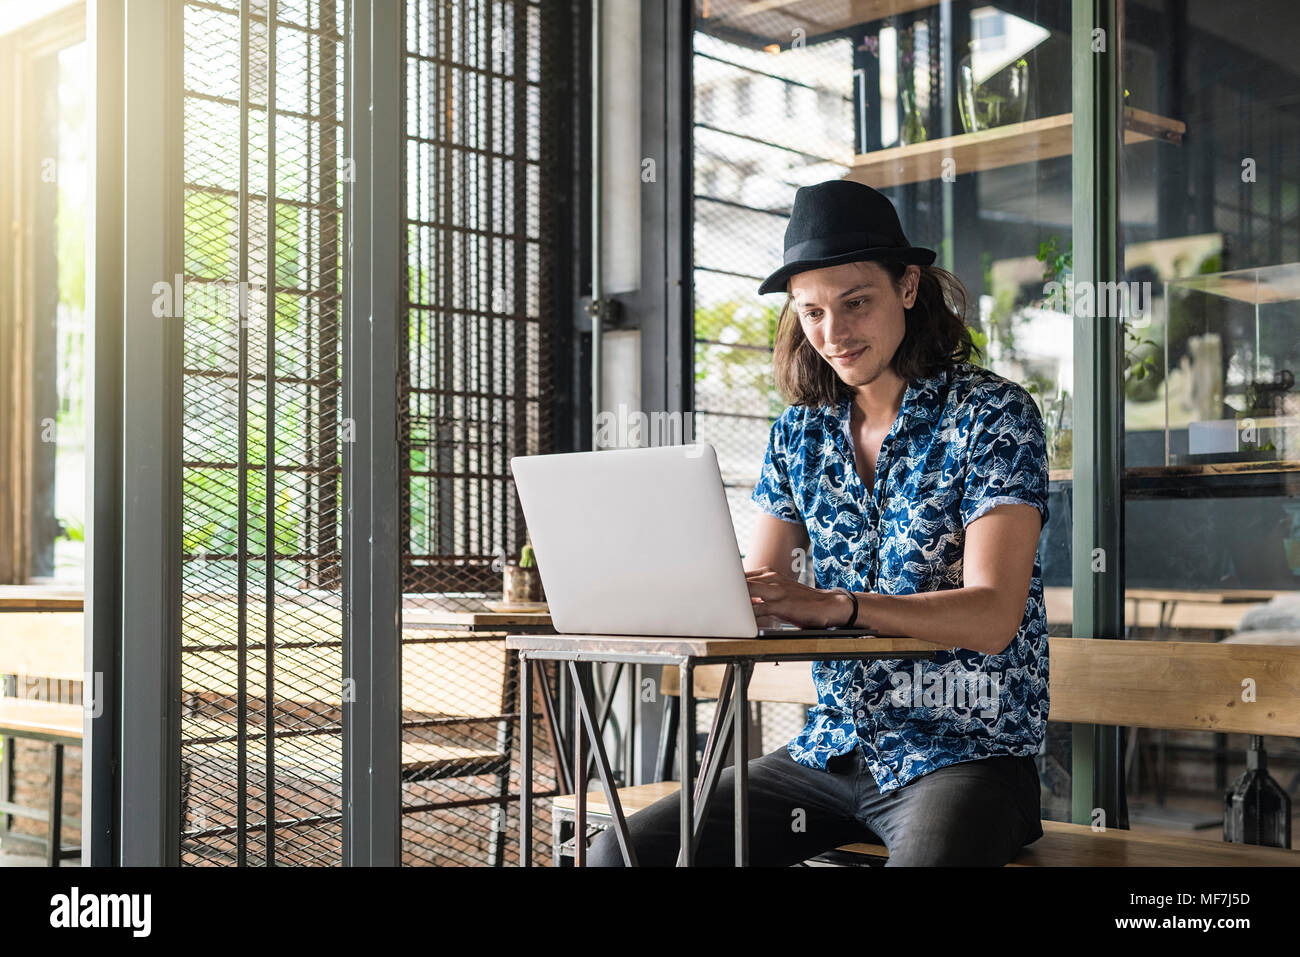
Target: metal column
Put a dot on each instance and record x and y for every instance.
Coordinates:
(1097, 778)
(105, 23)
(151, 494)
(372, 587)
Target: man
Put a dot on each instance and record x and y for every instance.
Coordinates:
(914, 484)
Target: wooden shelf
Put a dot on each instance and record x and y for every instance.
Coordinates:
(771, 21)
(1222, 479)
(1224, 469)
(1010, 145)
(1258, 286)
(441, 620)
(1214, 468)
(1207, 609)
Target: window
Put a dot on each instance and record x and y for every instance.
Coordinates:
(43, 178)
(988, 223)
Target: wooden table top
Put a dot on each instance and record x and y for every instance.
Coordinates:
(31, 598)
(48, 720)
(1218, 610)
(435, 618)
(704, 647)
(1207, 595)
(40, 598)
(48, 644)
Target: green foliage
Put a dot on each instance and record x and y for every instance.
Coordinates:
(1001, 317)
(1058, 263)
(1039, 385)
(211, 225)
(526, 557)
(1062, 455)
(751, 323)
(1210, 264)
(70, 227)
(734, 323)
(1140, 371)
(288, 248)
(1142, 377)
(210, 222)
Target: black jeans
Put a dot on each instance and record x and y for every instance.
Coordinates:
(974, 813)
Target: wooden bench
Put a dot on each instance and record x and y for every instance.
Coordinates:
(47, 647)
(1177, 686)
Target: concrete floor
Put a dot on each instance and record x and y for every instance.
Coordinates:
(16, 859)
(1181, 812)
(18, 853)
(1143, 811)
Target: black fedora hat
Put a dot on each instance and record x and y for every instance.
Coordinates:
(841, 222)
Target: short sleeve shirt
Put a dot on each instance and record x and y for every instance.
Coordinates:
(965, 441)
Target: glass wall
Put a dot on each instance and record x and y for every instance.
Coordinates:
(43, 176)
(1211, 242)
(961, 114)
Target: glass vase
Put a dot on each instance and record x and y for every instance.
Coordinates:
(997, 100)
(912, 129)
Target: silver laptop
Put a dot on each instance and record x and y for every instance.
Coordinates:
(639, 542)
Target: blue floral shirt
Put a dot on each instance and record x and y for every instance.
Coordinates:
(965, 440)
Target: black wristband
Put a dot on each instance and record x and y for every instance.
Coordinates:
(854, 598)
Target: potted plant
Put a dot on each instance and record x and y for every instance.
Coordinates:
(521, 582)
(1263, 405)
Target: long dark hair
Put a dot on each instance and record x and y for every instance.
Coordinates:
(936, 338)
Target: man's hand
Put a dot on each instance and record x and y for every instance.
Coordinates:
(777, 598)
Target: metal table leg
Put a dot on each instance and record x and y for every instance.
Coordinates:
(724, 730)
(552, 715)
(559, 744)
(715, 740)
(672, 709)
(633, 711)
(715, 752)
(526, 760)
(686, 752)
(732, 708)
(1161, 737)
(557, 839)
(606, 706)
(56, 805)
(741, 764)
(580, 772)
(582, 687)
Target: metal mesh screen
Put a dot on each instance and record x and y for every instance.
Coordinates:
(763, 125)
(477, 389)
(261, 656)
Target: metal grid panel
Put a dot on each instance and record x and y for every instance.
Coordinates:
(476, 390)
(763, 126)
(261, 612)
